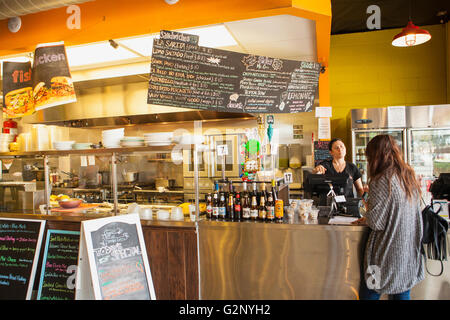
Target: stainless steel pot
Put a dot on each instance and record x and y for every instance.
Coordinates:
(105, 177)
(161, 182)
(130, 176)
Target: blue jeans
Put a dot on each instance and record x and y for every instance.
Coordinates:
(368, 294)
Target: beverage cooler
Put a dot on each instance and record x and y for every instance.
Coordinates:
(422, 132)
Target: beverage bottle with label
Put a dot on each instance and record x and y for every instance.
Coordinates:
(262, 209)
(215, 208)
(237, 207)
(222, 207)
(245, 205)
(274, 190)
(263, 191)
(254, 209)
(209, 206)
(255, 190)
(279, 210)
(270, 208)
(230, 207)
(243, 191)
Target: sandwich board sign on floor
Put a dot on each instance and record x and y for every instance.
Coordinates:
(112, 260)
(20, 245)
(59, 265)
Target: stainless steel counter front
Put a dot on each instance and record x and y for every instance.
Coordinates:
(251, 260)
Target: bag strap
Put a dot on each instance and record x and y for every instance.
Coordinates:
(424, 203)
(426, 267)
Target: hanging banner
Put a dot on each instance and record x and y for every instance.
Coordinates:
(52, 82)
(184, 74)
(17, 89)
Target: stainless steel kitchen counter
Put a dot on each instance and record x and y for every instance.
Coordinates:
(254, 260)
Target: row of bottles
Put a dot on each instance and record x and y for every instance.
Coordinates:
(253, 205)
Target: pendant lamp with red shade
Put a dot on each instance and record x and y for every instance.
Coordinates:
(411, 35)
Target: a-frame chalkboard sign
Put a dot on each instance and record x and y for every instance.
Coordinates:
(59, 265)
(20, 244)
(112, 260)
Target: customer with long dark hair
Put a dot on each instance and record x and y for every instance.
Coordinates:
(392, 261)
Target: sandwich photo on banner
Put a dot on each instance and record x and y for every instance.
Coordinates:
(52, 82)
(17, 89)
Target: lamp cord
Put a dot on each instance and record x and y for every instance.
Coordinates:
(410, 9)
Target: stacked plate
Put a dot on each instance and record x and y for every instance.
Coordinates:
(158, 138)
(189, 139)
(111, 138)
(63, 145)
(82, 145)
(132, 142)
(5, 140)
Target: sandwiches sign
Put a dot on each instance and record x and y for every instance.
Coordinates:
(48, 83)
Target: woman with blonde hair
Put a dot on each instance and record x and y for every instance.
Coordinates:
(392, 261)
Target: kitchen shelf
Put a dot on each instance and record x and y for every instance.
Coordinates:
(92, 151)
(156, 191)
(159, 160)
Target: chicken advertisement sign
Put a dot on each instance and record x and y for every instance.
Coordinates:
(47, 83)
(52, 83)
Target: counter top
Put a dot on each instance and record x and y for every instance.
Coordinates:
(29, 186)
(78, 218)
(296, 223)
(321, 222)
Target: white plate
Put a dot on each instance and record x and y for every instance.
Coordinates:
(153, 144)
(160, 135)
(133, 139)
(166, 143)
(140, 144)
(119, 130)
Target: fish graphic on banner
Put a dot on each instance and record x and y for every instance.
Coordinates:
(17, 89)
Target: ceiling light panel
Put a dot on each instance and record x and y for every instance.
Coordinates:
(213, 36)
(95, 53)
(143, 45)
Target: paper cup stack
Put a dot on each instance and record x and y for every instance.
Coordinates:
(304, 208)
(111, 138)
(5, 140)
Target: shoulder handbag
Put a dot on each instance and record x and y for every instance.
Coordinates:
(434, 238)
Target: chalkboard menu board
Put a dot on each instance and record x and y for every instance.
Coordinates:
(184, 74)
(112, 260)
(59, 265)
(20, 243)
(118, 257)
(321, 152)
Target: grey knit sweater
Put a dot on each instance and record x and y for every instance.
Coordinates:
(392, 262)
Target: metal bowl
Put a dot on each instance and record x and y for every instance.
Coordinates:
(70, 204)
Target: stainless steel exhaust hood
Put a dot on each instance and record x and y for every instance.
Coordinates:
(119, 101)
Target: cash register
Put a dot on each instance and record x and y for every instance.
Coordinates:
(328, 192)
